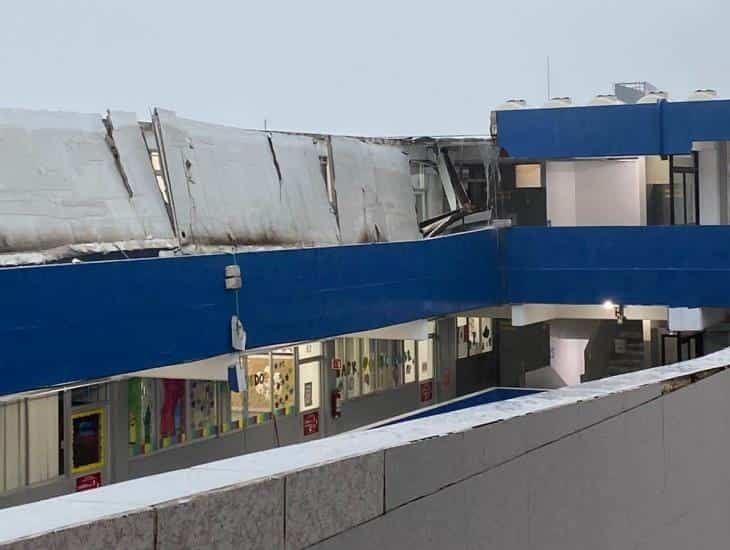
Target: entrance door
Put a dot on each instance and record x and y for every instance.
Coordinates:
(678, 347)
(684, 190)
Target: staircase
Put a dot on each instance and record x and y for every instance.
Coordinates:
(628, 352)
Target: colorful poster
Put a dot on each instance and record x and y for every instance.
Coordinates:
(87, 441)
(259, 384)
(283, 383)
(172, 412)
(140, 403)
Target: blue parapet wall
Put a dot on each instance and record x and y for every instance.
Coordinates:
(679, 266)
(663, 128)
(63, 323)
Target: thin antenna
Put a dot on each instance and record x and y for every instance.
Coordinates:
(266, 125)
(548, 78)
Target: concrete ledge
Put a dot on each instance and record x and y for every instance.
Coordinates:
(134, 530)
(250, 516)
(329, 499)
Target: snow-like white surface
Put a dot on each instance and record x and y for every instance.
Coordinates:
(61, 192)
(36, 518)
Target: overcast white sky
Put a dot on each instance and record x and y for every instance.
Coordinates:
(378, 67)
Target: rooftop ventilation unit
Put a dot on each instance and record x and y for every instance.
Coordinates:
(654, 97)
(605, 99)
(703, 95)
(511, 104)
(555, 102)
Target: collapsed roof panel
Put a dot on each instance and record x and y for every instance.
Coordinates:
(375, 198)
(233, 187)
(69, 188)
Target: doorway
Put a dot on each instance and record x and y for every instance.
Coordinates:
(681, 347)
(684, 189)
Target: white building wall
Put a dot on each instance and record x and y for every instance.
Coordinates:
(596, 192)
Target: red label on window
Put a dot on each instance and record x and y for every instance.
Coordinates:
(89, 481)
(310, 422)
(426, 391)
(337, 364)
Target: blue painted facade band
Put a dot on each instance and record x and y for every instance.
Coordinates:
(663, 128)
(62, 323)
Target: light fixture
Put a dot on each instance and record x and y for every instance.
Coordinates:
(608, 304)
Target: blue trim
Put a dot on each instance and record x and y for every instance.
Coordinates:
(677, 266)
(70, 322)
(613, 130)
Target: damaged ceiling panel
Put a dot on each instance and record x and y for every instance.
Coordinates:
(375, 198)
(233, 187)
(67, 188)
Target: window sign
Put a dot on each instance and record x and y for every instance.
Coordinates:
(352, 367)
(309, 385)
(409, 361)
(259, 388)
(425, 359)
(283, 384)
(203, 409)
(87, 441)
(140, 408)
(366, 370)
(172, 412)
(462, 337)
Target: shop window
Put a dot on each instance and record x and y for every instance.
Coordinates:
(140, 410)
(425, 359)
(172, 412)
(309, 385)
(409, 361)
(203, 408)
(259, 388)
(44, 436)
(87, 429)
(283, 384)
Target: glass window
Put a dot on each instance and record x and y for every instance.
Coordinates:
(309, 388)
(339, 359)
(283, 384)
(351, 367)
(172, 412)
(44, 431)
(88, 395)
(231, 408)
(87, 451)
(259, 388)
(203, 409)
(425, 359)
(397, 362)
(474, 335)
(409, 361)
(462, 337)
(487, 337)
(140, 408)
(527, 176)
(309, 350)
(368, 367)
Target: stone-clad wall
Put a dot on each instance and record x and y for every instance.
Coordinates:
(643, 469)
